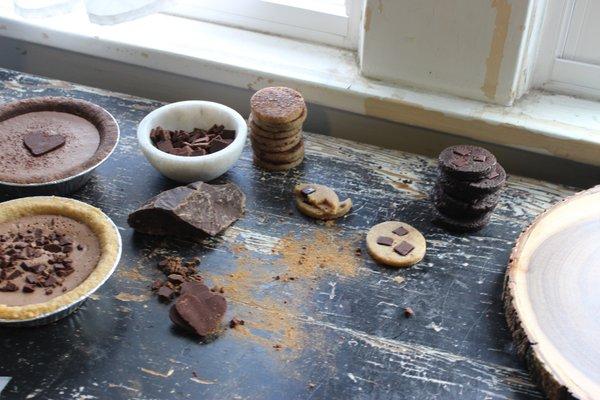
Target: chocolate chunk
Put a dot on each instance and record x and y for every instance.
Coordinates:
(404, 248)
(156, 284)
(40, 142)
(217, 145)
(50, 281)
(53, 248)
(198, 142)
(28, 288)
(493, 175)
(400, 231)
(307, 191)
(201, 309)
(461, 151)
(408, 312)
(79, 247)
(235, 322)
(460, 161)
(190, 211)
(176, 279)
(14, 274)
(165, 294)
(49, 292)
(479, 158)
(9, 287)
(385, 241)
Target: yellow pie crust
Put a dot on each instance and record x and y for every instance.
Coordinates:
(100, 224)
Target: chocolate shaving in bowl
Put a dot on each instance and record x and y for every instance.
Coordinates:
(198, 142)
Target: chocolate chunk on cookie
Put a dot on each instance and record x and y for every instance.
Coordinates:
(465, 190)
(277, 105)
(388, 244)
(466, 163)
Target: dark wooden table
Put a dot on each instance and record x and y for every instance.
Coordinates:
(336, 331)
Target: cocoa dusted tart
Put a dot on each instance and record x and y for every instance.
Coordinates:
(53, 252)
(48, 139)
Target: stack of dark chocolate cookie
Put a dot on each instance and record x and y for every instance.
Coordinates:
(468, 187)
(276, 128)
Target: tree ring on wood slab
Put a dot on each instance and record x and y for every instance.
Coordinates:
(552, 297)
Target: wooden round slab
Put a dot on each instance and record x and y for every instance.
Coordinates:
(552, 297)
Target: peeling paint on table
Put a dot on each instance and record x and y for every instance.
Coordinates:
(330, 326)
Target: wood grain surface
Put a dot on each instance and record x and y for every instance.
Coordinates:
(553, 297)
(339, 323)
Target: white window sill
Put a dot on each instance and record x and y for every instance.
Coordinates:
(546, 123)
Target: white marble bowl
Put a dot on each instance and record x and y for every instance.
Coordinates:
(188, 115)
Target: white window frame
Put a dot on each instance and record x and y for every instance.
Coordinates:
(310, 20)
(554, 71)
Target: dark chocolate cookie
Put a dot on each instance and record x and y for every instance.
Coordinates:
(466, 163)
(462, 225)
(465, 190)
(454, 207)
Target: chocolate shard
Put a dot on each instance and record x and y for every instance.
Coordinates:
(385, 241)
(404, 248)
(41, 142)
(195, 210)
(200, 309)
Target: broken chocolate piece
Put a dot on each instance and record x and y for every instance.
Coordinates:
(28, 288)
(195, 143)
(400, 231)
(461, 151)
(404, 248)
(165, 294)
(201, 309)
(9, 287)
(307, 191)
(176, 279)
(39, 142)
(190, 211)
(479, 157)
(385, 241)
(235, 322)
(460, 162)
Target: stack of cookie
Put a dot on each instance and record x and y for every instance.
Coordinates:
(468, 187)
(276, 128)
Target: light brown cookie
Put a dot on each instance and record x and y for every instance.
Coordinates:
(319, 196)
(315, 212)
(270, 166)
(277, 105)
(290, 155)
(396, 244)
(279, 127)
(274, 145)
(258, 131)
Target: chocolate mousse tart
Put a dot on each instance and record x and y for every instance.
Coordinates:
(54, 253)
(50, 145)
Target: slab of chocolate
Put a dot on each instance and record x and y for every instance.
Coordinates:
(466, 163)
(454, 207)
(466, 190)
(462, 224)
(192, 211)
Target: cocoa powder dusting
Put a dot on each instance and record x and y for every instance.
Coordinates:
(273, 308)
